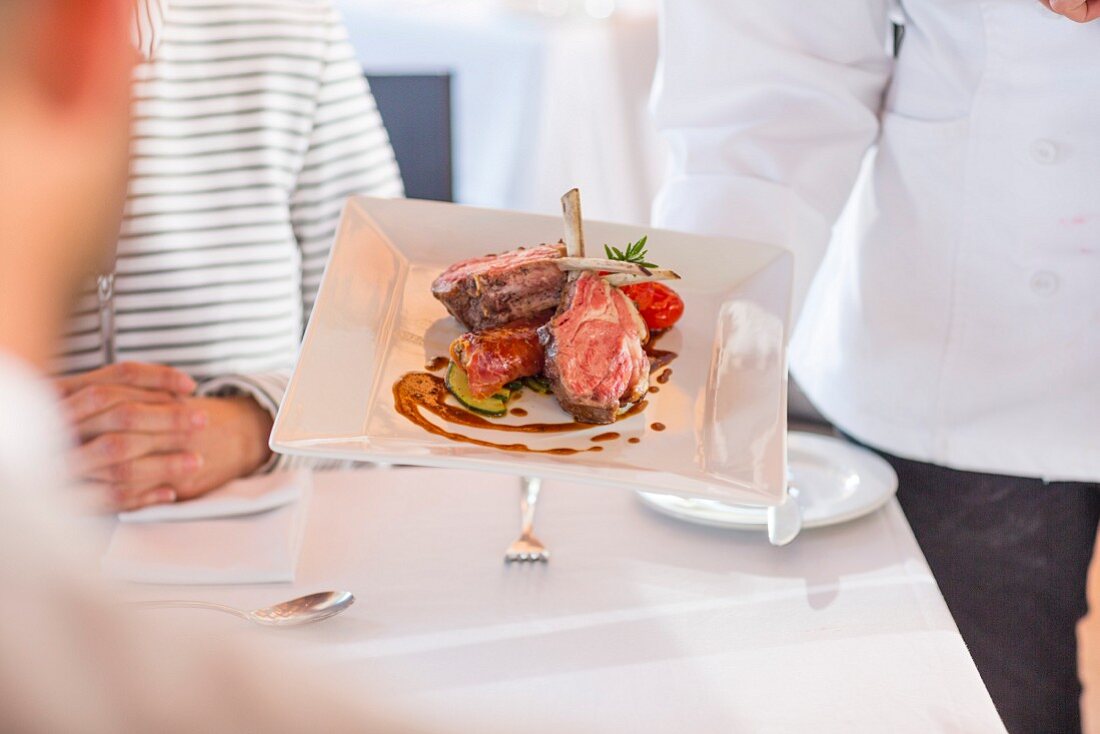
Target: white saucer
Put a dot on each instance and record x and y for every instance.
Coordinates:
(836, 481)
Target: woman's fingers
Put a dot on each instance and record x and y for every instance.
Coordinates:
(147, 472)
(155, 496)
(94, 399)
(110, 449)
(135, 417)
(110, 498)
(131, 374)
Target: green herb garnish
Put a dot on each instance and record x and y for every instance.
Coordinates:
(635, 253)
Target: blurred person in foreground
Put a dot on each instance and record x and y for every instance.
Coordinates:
(955, 322)
(253, 123)
(70, 660)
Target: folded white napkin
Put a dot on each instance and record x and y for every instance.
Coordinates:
(250, 533)
(242, 497)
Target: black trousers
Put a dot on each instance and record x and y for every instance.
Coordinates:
(1011, 557)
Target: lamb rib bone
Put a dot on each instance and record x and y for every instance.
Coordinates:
(574, 261)
(620, 279)
(574, 228)
(636, 272)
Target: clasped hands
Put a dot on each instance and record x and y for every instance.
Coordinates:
(144, 438)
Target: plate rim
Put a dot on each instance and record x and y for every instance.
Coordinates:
(867, 455)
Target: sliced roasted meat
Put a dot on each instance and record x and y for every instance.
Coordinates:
(500, 289)
(594, 351)
(494, 357)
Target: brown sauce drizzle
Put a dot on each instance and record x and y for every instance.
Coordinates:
(664, 376)
(418, 390)
(438, 363)
(606, 436)
(654, 389)
(658, 426)
(519, 412)
(634, 440)
(658, 358)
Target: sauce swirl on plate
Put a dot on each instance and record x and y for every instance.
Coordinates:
(418, 391)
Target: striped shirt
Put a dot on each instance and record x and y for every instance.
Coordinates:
(253, 124)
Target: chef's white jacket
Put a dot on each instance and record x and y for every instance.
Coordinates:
(956, 317)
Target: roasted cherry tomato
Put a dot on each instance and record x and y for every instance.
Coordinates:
(658, 304)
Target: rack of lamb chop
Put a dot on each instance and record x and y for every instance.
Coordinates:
(500, 289)
(595, 357)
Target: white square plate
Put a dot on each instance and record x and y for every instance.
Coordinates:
(375, 320)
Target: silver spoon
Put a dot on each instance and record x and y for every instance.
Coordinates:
(303, 610)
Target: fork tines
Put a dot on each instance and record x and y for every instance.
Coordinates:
(527, 550)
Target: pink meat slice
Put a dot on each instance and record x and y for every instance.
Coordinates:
(595, 356)
(492, 291)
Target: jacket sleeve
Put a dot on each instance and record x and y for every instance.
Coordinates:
(768, 109)
(349, 154)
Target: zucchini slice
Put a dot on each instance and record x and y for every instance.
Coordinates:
(539, 384)
(459, 386)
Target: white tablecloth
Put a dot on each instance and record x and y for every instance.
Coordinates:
(540, 104)
(638, 624)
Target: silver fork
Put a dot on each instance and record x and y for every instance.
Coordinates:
(528, 548)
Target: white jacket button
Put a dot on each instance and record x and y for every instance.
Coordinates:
(1045, 283)
(1044, 152)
